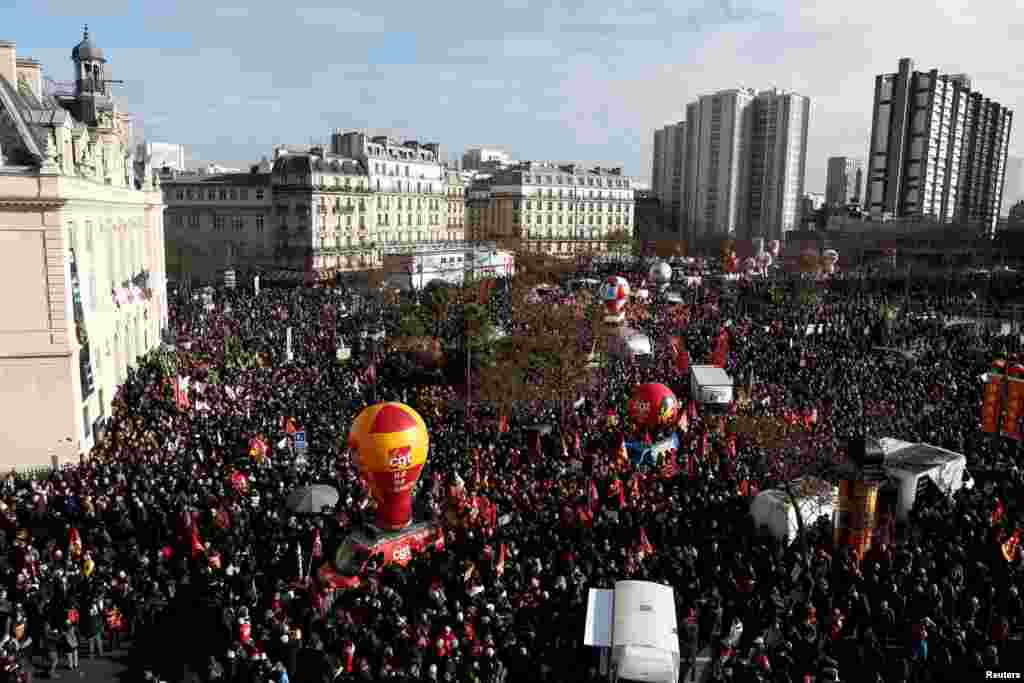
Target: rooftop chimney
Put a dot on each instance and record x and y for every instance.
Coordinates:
(32, 72)
(9, 62)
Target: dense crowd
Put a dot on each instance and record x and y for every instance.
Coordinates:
(175, 539)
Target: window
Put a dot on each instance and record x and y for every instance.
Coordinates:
(218, 222)
(259, 195)
(237, 223)
(211, 195)
(88, 237)
(193, 220)
(259, 223)
(233, 194)
(188, 193)
(86, 424)
(179, 194)
(223, 194)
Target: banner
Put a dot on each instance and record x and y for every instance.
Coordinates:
(721, 353)
(1014, 401)
(992, 405)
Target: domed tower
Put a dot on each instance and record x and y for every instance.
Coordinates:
(92, 87)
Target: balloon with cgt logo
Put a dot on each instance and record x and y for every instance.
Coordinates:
(389, 443)
(653, 405)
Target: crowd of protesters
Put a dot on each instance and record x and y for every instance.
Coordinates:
(174, 540)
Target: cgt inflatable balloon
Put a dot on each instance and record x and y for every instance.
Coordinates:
(653, 405)
(615, 294)
(390, 441)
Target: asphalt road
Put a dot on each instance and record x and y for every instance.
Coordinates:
(111, 667)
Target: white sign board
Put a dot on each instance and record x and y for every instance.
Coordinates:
(256, 284)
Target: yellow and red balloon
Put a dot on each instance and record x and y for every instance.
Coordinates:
(390, 444)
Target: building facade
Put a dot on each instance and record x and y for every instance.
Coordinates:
(81, 257)
(456, 183)
(667, 173)
(550, 208)
(480, 158)
(323, 212)
(844, 182)
(742, 164)
(938, 149)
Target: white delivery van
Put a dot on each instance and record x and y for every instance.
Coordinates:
(635, 625)
(710, 384)
(911, 465)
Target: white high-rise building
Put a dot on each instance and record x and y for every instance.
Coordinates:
(667, 173)
(742, 164)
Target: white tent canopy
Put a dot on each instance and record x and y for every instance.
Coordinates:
(772, 509)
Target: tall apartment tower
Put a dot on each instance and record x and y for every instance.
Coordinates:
(667, 173)
(938, 150)
(744, 163)
(844, 184)
(778, 161)
(718, 132)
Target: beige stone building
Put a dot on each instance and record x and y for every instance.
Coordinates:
(327, 212)
(81, 258)
(455, 188)
(560, 210)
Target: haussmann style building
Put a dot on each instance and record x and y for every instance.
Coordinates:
(549, 208)
(324, 212)
(81, 257)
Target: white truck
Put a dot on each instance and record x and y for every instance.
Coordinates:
(634, 624)
(711, 385)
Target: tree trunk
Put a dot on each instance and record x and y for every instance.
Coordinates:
(801, 529)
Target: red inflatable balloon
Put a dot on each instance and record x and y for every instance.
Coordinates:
(653, 405)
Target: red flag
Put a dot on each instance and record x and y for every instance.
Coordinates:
(318, 548)
(594, 497)
(499, 566)
(74, 542)
(258, 448)
(691, 465)
(578, 444)
(197, 543)
(1012, 546)
(704, 445)
(730, 445)
(645, 546)
(999, 514)
(616, 489)
(623, 454)
(371, 371)
(503, 423)
(745, 488)
(180, 387)
(691, 409)
(721, 355)
(239, 481)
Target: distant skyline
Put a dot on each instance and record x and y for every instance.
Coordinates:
(569, 79)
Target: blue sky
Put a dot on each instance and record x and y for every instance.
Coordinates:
(560, 79)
